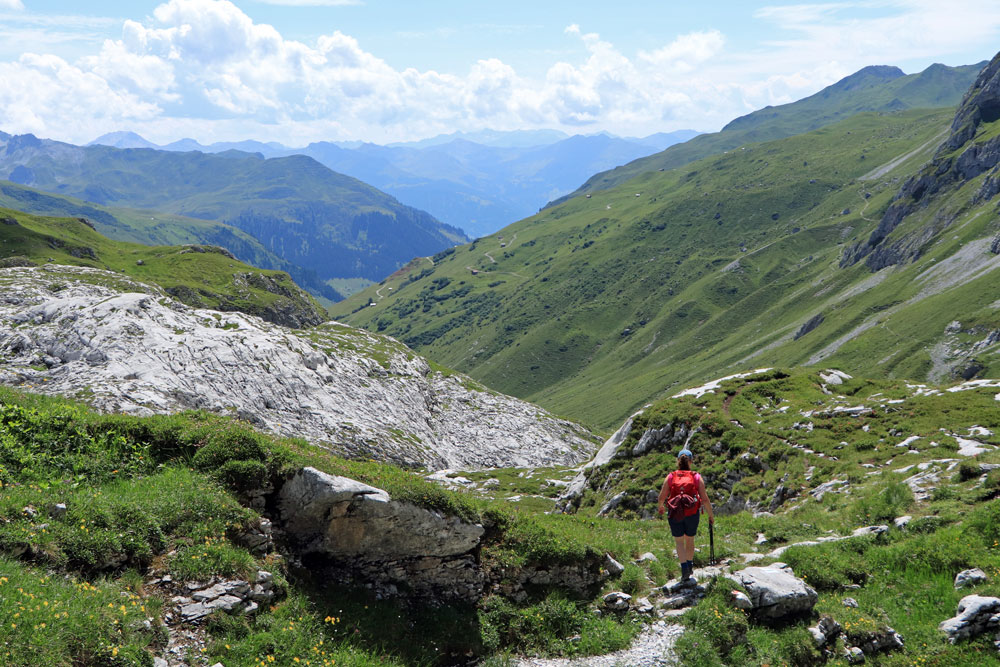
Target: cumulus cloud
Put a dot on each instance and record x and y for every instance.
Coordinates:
(206, 68)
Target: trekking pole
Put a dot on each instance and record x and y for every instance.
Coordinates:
(711, 542)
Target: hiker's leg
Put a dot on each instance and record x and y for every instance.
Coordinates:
(681, 548)
(688, 547)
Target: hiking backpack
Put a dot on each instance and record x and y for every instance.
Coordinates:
(682, 482)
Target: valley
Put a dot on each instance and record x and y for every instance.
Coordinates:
(208, 458)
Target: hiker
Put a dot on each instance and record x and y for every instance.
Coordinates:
(684, 493)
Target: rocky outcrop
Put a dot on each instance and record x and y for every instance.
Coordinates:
(652, 439)
(346, 519)
(976, 614)
(196, 601)
(366, 534)
(358, 533)
(948, 170)
(809, 325)
(972, 577)
(126, 348)
(775, 592)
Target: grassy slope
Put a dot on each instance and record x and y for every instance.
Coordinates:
(203, 279)
(906, 577)
(159, 495)
(598, 305)
(870, 89)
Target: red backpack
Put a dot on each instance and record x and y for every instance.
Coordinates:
(683, 482)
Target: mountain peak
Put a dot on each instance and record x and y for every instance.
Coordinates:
(871, 75)
(122, 139)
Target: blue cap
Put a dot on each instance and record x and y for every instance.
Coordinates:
(686, 452)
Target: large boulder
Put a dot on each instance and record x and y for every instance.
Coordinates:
(345, 519)
(775, 592)
(976, 614)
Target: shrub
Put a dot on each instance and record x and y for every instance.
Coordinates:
(968, 469)
(986, 520)
(243, 476)
(632, 581)
(887, 503)
(230, 443)
(828, 567)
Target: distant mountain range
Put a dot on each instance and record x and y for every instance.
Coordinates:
(875, 88)
(870, 244)
(299, 210)
(479, 181)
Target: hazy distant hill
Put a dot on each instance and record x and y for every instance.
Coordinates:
(478, 181)
(298, 209)
(875, 88)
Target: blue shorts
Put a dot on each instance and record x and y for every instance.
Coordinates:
(686, 526)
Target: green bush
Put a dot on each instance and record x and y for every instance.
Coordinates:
(829, 567)
(632, 581)
(887, 503)
(242, 477)
(985, 520)
(968, 469)
(230, 443)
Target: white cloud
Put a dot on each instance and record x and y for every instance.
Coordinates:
(205, 68)
(11, 4)
(313, 3)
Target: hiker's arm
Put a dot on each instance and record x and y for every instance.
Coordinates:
(664, 490)
(705, 502)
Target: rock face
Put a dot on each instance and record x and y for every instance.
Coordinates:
(775, 592)
(125, 347)
(976, 615)
(362, 531)
(346, 519)
(946, 171)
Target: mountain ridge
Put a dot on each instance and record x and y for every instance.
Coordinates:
(298, 209)
(936, 86)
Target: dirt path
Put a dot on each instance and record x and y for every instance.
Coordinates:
(653, 647)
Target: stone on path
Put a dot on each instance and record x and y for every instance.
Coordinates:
(775, 592)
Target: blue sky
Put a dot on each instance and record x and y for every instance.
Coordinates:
(303, 70)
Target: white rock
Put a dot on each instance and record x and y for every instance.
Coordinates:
(613, 567)
(140, 352)
(344, 518)
(775, 592)
(741, 601)
(971, 577)
(976, 614)
(715, 384)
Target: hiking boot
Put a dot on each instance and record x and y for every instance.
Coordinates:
(685, 572)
